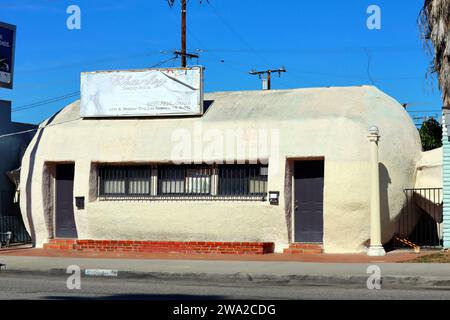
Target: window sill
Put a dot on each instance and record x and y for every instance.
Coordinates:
(183, 198)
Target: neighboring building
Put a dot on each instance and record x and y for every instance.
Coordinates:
(446, 176)
(12, 148)
(129, 187)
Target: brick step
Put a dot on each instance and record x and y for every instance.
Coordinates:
(62, 241)
(60, 244)
(304, 248)
(161, 246)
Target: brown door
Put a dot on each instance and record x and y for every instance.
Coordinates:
(64, 218)
(308, 202)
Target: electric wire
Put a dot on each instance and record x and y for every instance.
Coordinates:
(69, 95)
(37, 129)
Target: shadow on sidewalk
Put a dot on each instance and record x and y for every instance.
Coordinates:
(140, 297)
(17, 247)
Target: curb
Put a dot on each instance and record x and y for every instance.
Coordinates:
(388, 282)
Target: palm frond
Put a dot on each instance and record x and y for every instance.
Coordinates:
(434, 22)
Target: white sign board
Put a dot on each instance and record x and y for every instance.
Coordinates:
(149, 92)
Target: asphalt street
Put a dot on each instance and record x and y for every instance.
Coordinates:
(27, 287)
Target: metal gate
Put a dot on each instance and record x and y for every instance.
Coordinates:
(11, 220)
(421, 221)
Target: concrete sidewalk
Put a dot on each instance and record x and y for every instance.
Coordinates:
(391, 257)
(394, 275)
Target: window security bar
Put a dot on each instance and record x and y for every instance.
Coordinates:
(181, 182)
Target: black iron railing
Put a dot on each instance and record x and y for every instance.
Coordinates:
(242, 180)
(246, 182)
(421, 220)
(11, 220)
(184, 180)
(124, 180)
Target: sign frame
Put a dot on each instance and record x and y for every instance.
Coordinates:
(13, 28)
(156, 115)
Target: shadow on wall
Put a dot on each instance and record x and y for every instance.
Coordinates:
(289, 172)
(387, 227)
(28, 186)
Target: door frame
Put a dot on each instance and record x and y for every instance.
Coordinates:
(291, 163)
(53, 192)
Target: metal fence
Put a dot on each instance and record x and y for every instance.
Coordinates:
(11, 220)
(421, 220)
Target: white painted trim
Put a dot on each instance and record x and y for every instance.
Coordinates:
(154, 181)
(293, 201)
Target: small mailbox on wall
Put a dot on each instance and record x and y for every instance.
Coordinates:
(79, 203)
(274, 197)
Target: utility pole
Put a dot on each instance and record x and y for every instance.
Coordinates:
(183, 52)
(267, 74)
(183, 33)
(185, 55)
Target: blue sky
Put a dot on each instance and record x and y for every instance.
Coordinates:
(320, 43)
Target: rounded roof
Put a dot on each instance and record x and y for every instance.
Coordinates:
(275, 105)
(332, 122)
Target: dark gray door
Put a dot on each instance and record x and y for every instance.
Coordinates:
(308, 202)
(64, 219)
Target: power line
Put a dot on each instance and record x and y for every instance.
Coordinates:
(47, 101)
(231, 63)
(318, 50)
(37, 129)
(69, 95)
(87, 62)
(424, 111)
(163, 62)
(252, 50)
(17, 133)
(237, 35)
(305, 50)
(369, 61)
(218, 59)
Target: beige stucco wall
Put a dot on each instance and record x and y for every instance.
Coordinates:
(429, 175)
(429, 169)
(329, 123)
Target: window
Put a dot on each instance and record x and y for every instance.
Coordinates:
(198, 181)
(124, 180)
(242, 180)
(184, 180)
(153, 182)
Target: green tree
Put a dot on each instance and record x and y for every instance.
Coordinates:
(431, 134)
